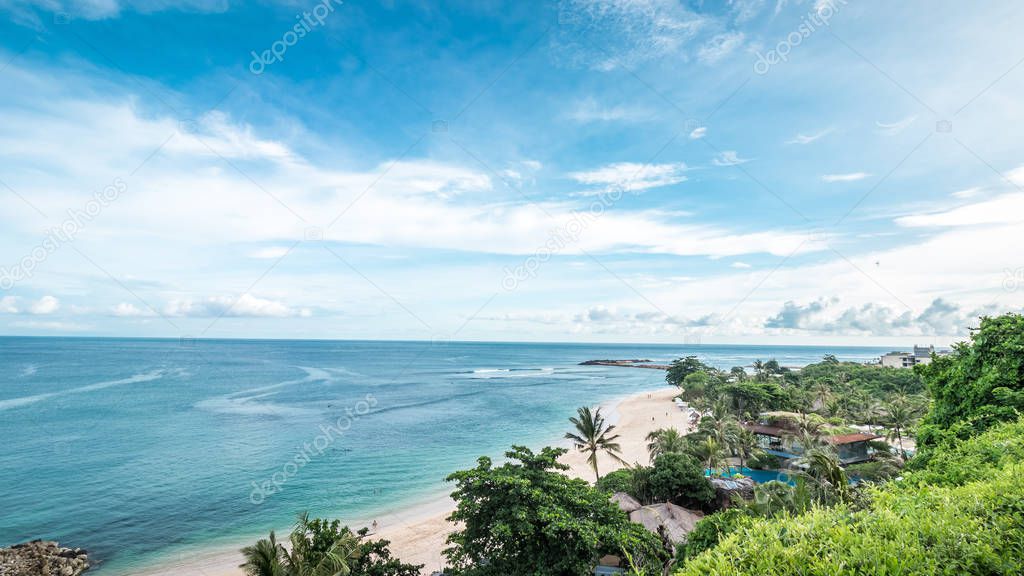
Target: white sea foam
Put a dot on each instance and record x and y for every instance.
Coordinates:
(26, 400)
(246, 402)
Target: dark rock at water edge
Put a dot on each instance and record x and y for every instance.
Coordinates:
(42, 558)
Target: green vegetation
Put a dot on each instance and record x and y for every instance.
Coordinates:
(957, 507)
(526, 517)
(980, 384)
(679, 478)
(958, 510)
(840, 391)
(323, 548)
(911, 527)
(592, 436)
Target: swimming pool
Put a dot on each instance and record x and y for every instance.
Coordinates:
(760, 476)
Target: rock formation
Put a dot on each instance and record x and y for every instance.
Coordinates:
(42, 558)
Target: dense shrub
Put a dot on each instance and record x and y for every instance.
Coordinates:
(973, 459)
(709, 531)
(679, 478)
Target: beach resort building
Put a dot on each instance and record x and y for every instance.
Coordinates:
(778, 441)
(920, 355)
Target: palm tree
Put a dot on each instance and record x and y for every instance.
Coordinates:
(307, 556)
(759, 370)
(265, 558)
(822, 392)
(720, 424)
(746, 446)
(710, 453)
(823, 467)
(593, 436)
(665, 441)
(900, 414)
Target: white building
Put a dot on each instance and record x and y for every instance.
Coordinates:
(920, 355)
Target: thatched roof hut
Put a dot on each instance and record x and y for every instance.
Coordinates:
(626, 502)
(675, 522)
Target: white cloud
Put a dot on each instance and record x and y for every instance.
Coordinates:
(745, 10)
(720, 46)
(849, 177)
(589, 110)
(940, 318)
(699, 133)
(244, 306)
(1016, 176)
(45, 305)
(9, 305)
(968, 192)
(808, 138)
(128, 310)
(52, 325)
(269, 253)
(739, 265)
(640, 31)
(729, 158)
(24, 12)
(893, 128)
(1003, 209)
(631, 176)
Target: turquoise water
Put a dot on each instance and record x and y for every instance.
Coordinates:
(760, 476)
(138, 448)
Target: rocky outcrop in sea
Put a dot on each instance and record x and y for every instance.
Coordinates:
(42, 558)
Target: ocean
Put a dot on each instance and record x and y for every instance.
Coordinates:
(143, 449)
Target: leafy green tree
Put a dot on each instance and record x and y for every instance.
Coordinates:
(679, 478)
(526, 518)
(665, 441)
(683, 367)
(592, 436)
(618, 481)
(980, 384)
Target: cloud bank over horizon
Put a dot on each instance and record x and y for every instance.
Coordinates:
(626, 174)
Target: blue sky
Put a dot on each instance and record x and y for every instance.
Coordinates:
(649, 171)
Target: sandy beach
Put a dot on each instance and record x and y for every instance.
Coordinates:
(418, 535)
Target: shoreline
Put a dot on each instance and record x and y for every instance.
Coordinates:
(418, 529)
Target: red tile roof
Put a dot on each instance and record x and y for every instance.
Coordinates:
(851, 438)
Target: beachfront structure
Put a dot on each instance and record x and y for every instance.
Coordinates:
(852, 448)
(920, 355)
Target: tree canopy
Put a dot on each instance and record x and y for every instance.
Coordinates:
(980, 384)
(526, 518)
